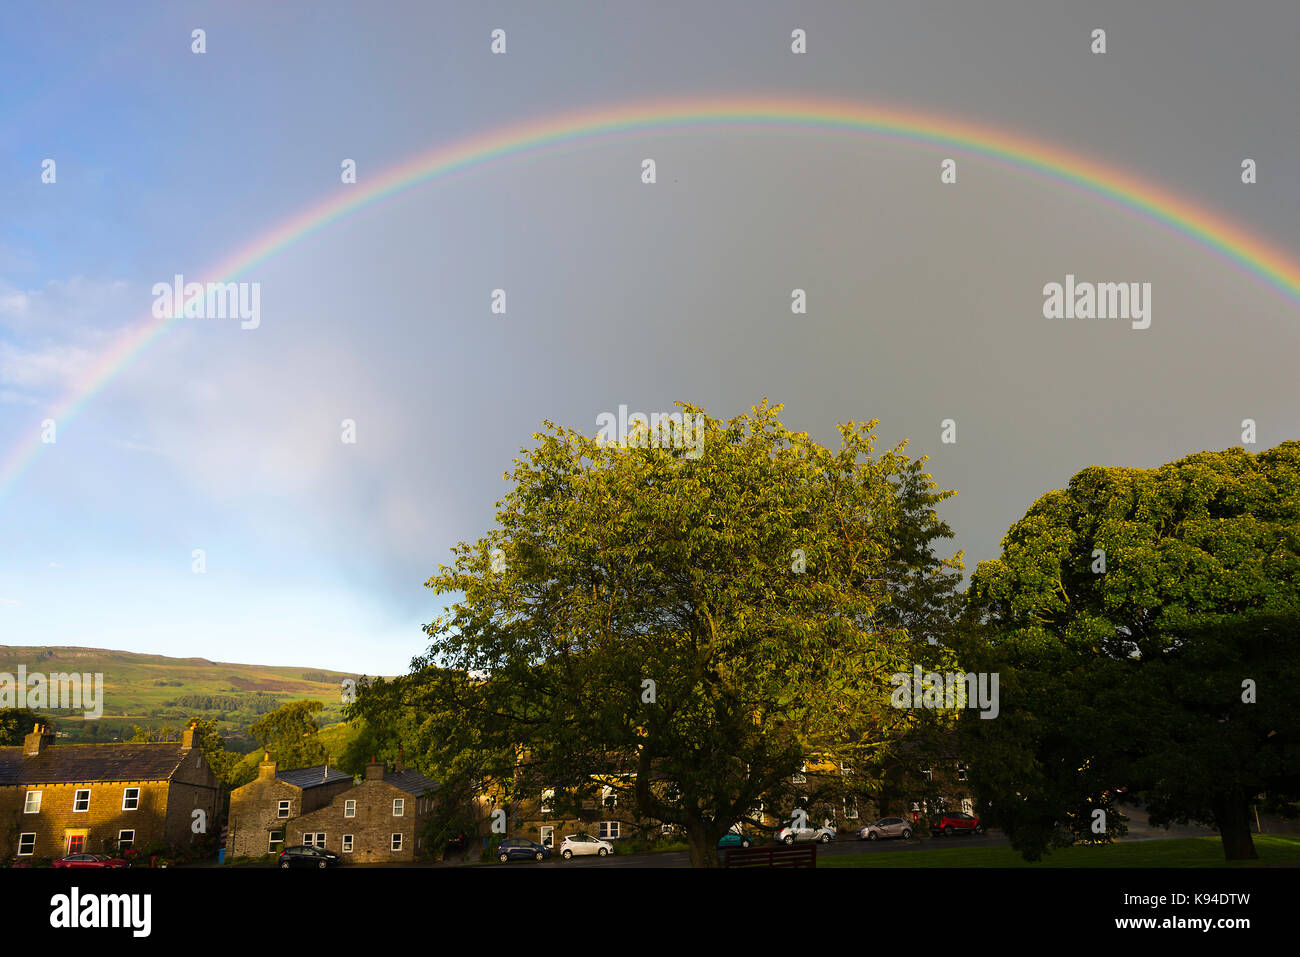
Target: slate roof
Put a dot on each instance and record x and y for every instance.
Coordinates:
(312, 777)
(412, 782)
(73, 763)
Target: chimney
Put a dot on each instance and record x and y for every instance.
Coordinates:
(187, 739)
(374, 770)
(399, 767)
(36, 742)
(265, 767)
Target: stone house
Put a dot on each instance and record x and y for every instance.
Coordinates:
(60, 799)
(262, 809)
(378, 819)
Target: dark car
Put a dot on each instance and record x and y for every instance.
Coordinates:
(956, 822)
(521, 849)
(303, 856)
(733, 839)
(90, 860)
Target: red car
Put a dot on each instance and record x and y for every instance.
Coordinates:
(90, 860)
(956, 822)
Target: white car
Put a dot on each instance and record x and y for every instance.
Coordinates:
(788, 833)
(577, 844)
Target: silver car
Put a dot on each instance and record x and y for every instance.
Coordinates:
(886, 827)
(789, 832)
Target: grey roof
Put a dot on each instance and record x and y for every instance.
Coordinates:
(73, 763)
(312, 777)
(412, 782)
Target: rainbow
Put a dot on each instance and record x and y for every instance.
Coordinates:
(557, 133)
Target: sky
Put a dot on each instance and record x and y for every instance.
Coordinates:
(925, 299)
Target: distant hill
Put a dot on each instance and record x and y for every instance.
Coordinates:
(154, 690)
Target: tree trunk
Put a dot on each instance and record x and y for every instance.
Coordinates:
(1232, 815)
(704, 845)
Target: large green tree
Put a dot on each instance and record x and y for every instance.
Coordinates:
(685, 626)
(290, 734)
(1144, 623)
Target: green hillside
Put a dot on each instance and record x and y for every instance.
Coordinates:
(154, 691)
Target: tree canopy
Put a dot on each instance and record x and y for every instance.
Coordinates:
(1144, 623)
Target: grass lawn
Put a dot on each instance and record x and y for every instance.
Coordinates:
(1273, 851)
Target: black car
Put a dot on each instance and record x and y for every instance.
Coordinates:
(521, 849)
(303, 856)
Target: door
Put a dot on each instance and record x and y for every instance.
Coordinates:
(75, 842)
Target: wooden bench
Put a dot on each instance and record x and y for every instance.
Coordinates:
(773, 855)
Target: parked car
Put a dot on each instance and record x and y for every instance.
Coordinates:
(788, 833)
(886, 827)
(457, 844)
(521, 849)
(734, 839)
(304, 856)
(956, 822)
(90, 860)
(575, 845)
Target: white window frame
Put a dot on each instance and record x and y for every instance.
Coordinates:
(963, 771)
(350, 807)
(30, 838)
(608, 796)
(548, 800)
(399, 807)
(851, 807)
(130, 840)
(283, 810)
(542, 833)
(313, 839)
(800, 776)
(927, 773)
(271, 842)
(609, 830)
(27, 802)
(76, 799)
(126, 792)
(347, 843)
(395, 844)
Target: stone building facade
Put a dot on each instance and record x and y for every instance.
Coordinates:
(262, 810)
(60, 799)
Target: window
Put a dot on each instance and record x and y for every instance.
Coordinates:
(667, 830)
(310, 839)
(350, 808)
(397, 842)
(347, 843)
(547, 836)
(961, 771)
(967, 806)
(608, 797)
(81, 801)
(125, 840)
(548, 800)
(800, 776)
(130, 799)
(851, 807)
(399, 807)
(33, 803)
(283, 809)
(276, 841)
(608, 830)
(26, 844)
(927, 773)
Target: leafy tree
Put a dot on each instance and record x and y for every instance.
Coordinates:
(289, 733)
(16, 724)
(1124, 616)
(685, 629)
